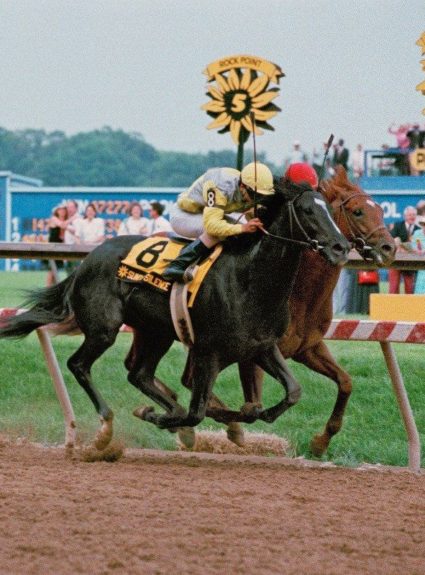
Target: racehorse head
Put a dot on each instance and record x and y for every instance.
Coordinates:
(299, 215)
(359, 218)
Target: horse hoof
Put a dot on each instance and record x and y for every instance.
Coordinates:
(319, 445)
(236, 436)
(142, 411)
(187, 436)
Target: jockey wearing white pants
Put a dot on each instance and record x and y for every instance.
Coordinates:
(201, 211)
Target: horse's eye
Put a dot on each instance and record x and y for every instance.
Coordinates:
(357, 212)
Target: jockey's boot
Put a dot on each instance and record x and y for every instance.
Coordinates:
(177, 271)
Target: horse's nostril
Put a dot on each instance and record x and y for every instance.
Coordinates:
(387, 248)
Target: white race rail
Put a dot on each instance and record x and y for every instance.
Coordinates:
(387, 332)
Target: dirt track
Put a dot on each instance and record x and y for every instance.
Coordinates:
(180, 513)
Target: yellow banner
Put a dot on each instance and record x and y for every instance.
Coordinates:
(417, 159)
(272, 71)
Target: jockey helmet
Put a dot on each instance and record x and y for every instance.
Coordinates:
(258, 177)
(302, 173)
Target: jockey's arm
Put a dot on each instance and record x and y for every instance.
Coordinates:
(216, 225)
(213, 214)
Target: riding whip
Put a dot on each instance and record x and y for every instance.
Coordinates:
(252, 116)
(322, 169)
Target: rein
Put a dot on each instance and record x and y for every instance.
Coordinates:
(360, 240)
(308, 243)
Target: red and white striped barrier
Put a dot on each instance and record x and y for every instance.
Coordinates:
(387, 332)
(369, 330)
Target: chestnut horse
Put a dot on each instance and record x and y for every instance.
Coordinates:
(361, 221)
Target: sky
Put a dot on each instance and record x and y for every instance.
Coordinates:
(351, 67)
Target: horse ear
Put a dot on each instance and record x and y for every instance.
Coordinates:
(341, 177)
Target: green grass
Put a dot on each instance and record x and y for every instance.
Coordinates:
(373, 430)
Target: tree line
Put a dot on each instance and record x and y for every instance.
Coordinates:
(104, 157)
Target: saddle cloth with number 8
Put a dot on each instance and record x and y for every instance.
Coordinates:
(148, 259)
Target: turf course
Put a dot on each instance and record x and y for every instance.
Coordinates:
(373, 431)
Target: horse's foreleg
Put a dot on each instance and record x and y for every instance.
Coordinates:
(80, 365)
(320, 359)
(252, 378)
(274, 364)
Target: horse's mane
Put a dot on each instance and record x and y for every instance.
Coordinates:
(268, 208)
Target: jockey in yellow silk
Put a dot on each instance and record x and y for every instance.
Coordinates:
(201, 212)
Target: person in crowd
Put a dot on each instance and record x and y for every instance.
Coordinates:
(402, 233)
(420, 210)
(91, 229)
(403, 145)
(135, 224)
(57, 227)
(415, 136)
(418, 245)
(341, 155)
(158, 224)
(357, 162)
(200, 211)
(400, 133)
(297, 154)
(72, 223)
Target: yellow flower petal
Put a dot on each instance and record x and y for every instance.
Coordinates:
(247, 124)
(214, 93)
(222, 120)
(264, 99)
(246, 79)
(235, 128)
(263, 116)
(213, 106)
(221, 81)
(233, 80)
(258, 85)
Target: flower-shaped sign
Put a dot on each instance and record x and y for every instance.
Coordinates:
(241, 89)
(421, 87)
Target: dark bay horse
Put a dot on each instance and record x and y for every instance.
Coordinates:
(310, 304)
(240, 313)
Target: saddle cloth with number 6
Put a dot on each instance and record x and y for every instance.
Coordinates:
(147, 261)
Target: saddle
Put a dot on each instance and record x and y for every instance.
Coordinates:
(147, 261)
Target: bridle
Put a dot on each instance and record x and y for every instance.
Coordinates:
(293, 219)
(358, 240)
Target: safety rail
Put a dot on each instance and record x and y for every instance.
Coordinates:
(45, 250)
(386, 333)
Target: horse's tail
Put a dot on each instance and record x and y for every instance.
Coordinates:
(46, 305)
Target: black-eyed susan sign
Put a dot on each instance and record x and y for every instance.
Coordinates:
(421, 87)
(241, 89)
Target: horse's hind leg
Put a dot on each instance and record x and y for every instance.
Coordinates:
(320, 359)
(151, 347)
(274, 364)
(234, 430)
(80, 365)
(204, 373)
